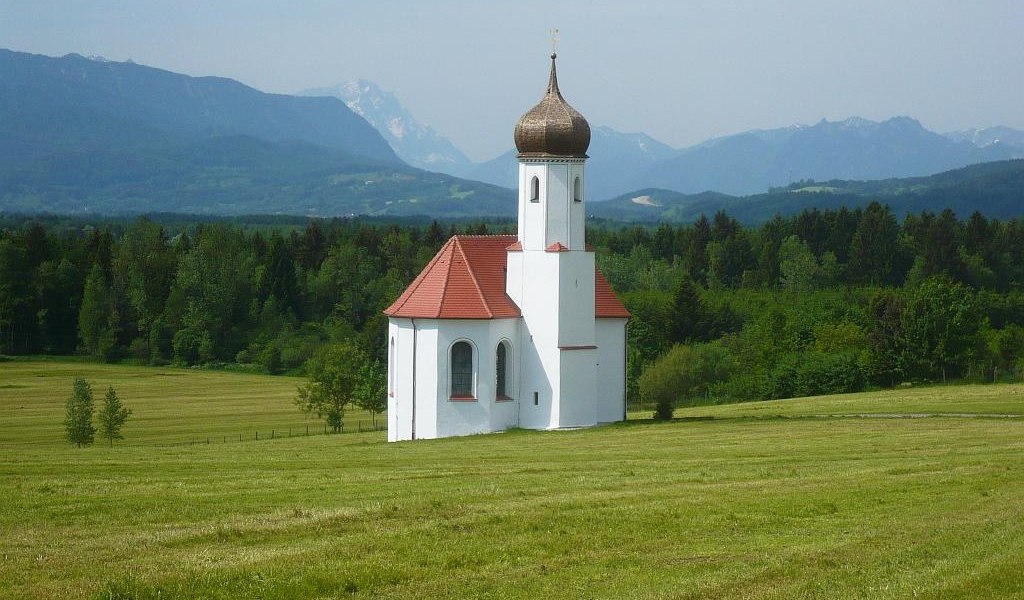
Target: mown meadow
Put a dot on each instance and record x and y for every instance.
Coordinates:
(822, 497)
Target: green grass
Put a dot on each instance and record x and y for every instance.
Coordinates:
(169, 405)
(727, 507)
(928, 400)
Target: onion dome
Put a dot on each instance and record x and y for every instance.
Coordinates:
(552, 128)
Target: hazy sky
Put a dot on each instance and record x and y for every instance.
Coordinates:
(681, 71)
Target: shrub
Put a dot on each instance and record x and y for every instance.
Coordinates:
(813, 374)
(685, 374)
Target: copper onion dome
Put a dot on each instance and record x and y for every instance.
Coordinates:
(552, 128)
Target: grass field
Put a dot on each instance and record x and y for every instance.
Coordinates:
(746, 501)
(169, 405)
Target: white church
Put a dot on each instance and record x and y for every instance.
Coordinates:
(503, 331)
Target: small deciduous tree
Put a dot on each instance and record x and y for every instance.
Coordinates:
(333, 376)
(797, 265)
(371, 391)
(78, 426)
(112, 416)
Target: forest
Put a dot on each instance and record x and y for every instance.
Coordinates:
(826, 301)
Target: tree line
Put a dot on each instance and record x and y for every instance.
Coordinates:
(823, 302)
(831, 300)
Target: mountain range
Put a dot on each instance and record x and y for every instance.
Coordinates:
(84, 134)
(89, 135)
(415, 143)
(855, 148)
(750, 162)
(75, 103)
(753, 162)
(995, 189)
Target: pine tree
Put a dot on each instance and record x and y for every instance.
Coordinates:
(112, 416)
(78, 426)
(97, 318)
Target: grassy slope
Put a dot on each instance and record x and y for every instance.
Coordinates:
(729, 507)
(169, 405)
(934, 401)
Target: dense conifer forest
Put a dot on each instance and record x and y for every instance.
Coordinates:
(824, 301)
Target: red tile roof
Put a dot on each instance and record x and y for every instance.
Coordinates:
(606, 304)
(466, 280)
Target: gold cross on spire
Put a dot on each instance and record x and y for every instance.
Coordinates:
(554, 40)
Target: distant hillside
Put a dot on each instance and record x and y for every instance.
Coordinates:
(752, 162)
(233, 175)
(615, 157)
(415, 143)
(995, 189)
(74, 103)
(988, 136)
(80, 135)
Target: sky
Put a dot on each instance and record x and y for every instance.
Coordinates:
(681, 71)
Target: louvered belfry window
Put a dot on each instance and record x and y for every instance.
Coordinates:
(462, 370)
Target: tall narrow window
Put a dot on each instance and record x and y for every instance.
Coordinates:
(501, 372)
(462, 370)
(535, 190)
(577, 190)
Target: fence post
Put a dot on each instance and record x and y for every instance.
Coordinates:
(307, 428)
(257, 436)
(271, 434)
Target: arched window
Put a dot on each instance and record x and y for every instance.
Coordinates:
(462, 370)
(501, 369)
(535, 189)
(577, 190)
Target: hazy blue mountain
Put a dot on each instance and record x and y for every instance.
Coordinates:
(995, 189)
(73, 103)
(236, 174)
(415, 143)
(80, 135)
(615, 157)
(754, 161)
(988, 136)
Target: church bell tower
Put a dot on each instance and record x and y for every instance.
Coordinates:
(552, 141)
(550, 272)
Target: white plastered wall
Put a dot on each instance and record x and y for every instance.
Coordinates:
(436, 414)
(486, 412)
(611, 370)
(411, 415)
(555, 291)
